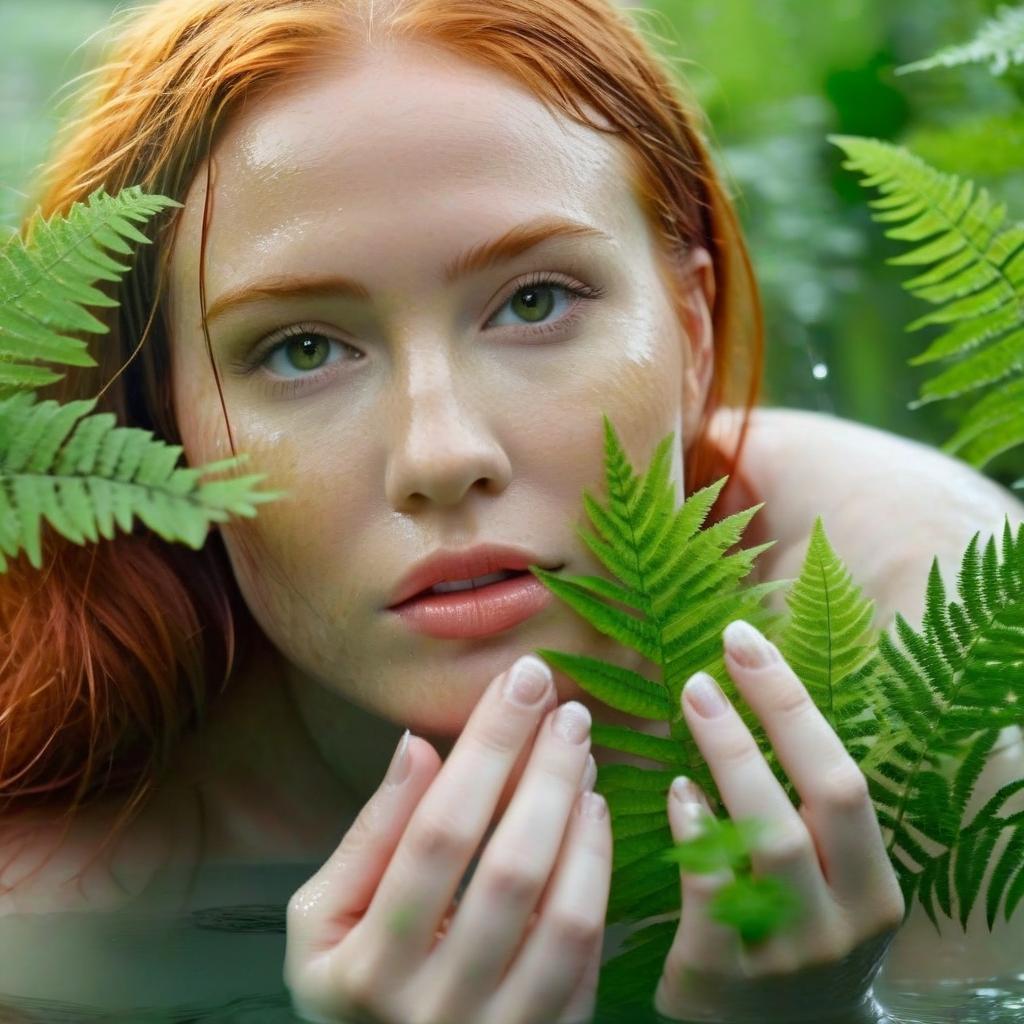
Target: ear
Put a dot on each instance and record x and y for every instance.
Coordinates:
(694, 282)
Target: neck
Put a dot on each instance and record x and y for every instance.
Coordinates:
(267, 792)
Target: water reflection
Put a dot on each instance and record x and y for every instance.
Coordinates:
(217, 957)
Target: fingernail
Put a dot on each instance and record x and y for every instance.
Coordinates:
(704, 696)
(528, 680)
(589, 774)
(398, 770)
(593, 805)
(748, 645)
(571, 722)
(682, 790)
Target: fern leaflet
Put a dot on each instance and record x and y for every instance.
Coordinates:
(79, 472)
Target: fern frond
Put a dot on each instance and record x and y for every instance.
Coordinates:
(944, 693)
(976, 278)
(673, 590)
(961, 866)
(999, 41)
(45, 285)
(828, 636)
(83, 475)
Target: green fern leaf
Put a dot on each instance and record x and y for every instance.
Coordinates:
(918, 709)
(673, 590)
(631, 977)
(83, 475)
(45, 285)
(828, 635)
(976, 280)
(670, 610)
(999, 41)
(58, 464)
(943, 695)
(629, 741)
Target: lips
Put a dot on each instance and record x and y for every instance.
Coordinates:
(466, 564)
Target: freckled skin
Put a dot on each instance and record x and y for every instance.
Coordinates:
(441, 432)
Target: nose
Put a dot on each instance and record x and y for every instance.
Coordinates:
(442, 442)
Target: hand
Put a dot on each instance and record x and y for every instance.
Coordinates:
(366, 936)
(831, 853)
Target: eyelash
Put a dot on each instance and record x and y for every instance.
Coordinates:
(252, 363)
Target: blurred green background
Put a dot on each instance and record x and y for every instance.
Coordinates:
(774, 78)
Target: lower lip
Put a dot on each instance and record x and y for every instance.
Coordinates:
(479, 612)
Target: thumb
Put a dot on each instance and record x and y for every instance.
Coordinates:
(326, 906)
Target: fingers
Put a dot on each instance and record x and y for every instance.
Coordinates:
(749, 789)
(580, 1008)
(837, 807)
(446, 828)
(322, 909)
(513, 870)
(700, 942)
(551, 968)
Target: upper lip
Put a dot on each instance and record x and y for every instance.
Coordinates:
(464, 564)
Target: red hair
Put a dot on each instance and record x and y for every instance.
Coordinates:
(113, 651)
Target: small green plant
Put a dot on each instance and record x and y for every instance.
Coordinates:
(755, 907)
(62, 463)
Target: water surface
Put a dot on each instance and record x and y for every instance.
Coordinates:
(218, 958)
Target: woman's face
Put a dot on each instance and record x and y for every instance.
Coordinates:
(419, 409)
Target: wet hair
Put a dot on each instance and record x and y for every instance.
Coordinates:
(113, 651)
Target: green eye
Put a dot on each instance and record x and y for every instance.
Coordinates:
(307, 351)
(534, 302)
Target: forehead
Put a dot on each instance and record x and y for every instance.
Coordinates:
(408, 140)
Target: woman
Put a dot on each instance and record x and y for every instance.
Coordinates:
(425, 245)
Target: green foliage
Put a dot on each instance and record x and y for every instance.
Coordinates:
(82, 475)
(720, 844)
(80, 472)
(981, 145)
(45, 286)
(976, 278)
(1000, 41)
(755, 907)
(943, 693)
(828, 636)
(918, 711)
(675, 590)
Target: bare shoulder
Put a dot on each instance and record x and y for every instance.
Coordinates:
(800, 459)
(48, 865)
(889, 504)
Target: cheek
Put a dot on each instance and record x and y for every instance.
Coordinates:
(197, 410)
(641, 390)
(290, 559)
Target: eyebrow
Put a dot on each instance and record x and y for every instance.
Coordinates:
(512, 243)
